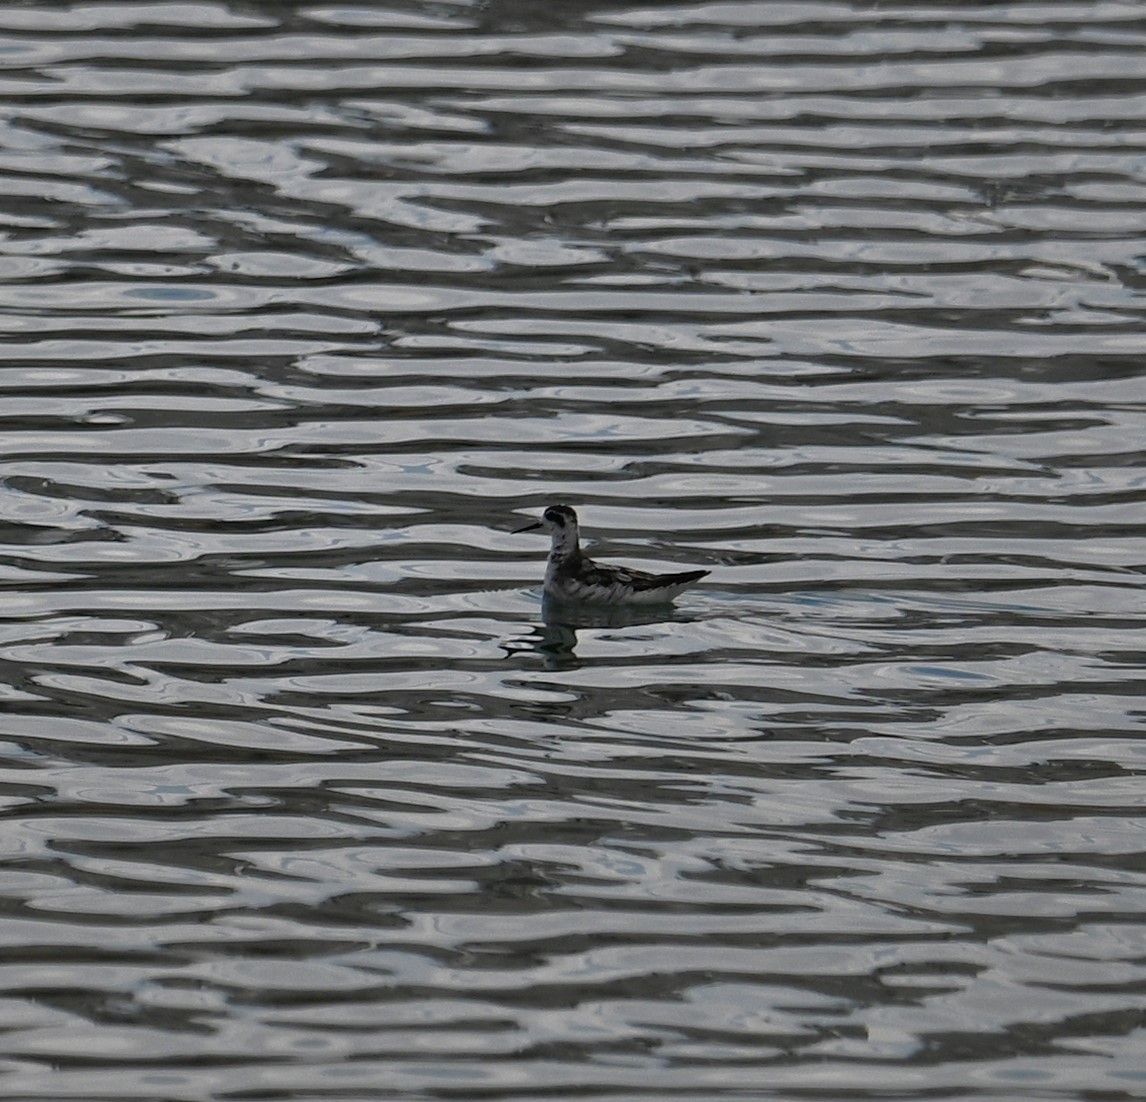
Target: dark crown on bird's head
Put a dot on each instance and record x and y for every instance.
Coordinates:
(560, 515)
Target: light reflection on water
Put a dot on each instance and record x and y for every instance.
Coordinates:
(306, 793)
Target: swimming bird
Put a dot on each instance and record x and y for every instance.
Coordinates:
(573, 576)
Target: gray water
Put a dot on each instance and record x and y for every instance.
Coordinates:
(306, 307)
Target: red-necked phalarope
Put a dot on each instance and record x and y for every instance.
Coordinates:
(572, 576)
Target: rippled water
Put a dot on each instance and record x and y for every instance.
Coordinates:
(306, 307)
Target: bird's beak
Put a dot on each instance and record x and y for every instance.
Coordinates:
(527, 528)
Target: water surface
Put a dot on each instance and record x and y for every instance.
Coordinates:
(306, 307)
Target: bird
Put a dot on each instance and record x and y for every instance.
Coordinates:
(573, 576)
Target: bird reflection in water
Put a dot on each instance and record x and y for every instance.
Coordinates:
(554, 640)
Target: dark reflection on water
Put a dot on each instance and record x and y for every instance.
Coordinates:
(306, 795)
(555, 638)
